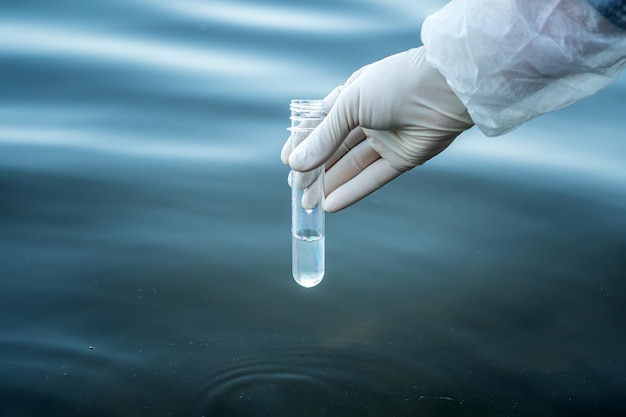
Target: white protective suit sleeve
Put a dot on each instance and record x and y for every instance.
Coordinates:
(512, 60)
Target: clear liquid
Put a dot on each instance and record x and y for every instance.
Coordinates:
(308, 259)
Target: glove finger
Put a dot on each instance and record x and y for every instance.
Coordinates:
(313, 195)
(302, 180)
(356, 74)
(354, 138)
(353, 156)
(369, 180)
(331, 98)
(324, 141)
(348, 167)
(299, 133)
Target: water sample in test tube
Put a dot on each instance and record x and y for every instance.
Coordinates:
(307, 201)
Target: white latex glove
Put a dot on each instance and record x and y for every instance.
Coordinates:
(405, 110)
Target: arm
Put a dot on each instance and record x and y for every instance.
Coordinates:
(493, 63)
(512, 60)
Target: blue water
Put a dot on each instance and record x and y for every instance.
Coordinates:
(145, 264)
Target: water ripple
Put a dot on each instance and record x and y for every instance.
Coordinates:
(112, 144)
(313, 381)
(597, 168)
(292, 19)
(45, 39)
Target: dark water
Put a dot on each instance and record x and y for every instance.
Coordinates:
(145, 244)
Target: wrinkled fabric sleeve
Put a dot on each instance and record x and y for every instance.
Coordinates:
(510, 61)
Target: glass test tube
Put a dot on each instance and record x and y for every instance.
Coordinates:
(307, 201)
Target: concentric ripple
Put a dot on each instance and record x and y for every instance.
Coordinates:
(354, 380)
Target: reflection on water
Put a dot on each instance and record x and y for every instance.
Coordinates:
(144, 230)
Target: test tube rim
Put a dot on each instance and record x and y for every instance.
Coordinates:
(302, 109)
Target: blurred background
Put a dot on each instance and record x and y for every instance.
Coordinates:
(145, 263)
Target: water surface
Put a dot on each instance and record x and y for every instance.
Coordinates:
(145, 243)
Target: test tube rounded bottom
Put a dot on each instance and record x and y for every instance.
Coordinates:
(308, 257)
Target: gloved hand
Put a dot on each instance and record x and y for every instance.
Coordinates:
(405, 110)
